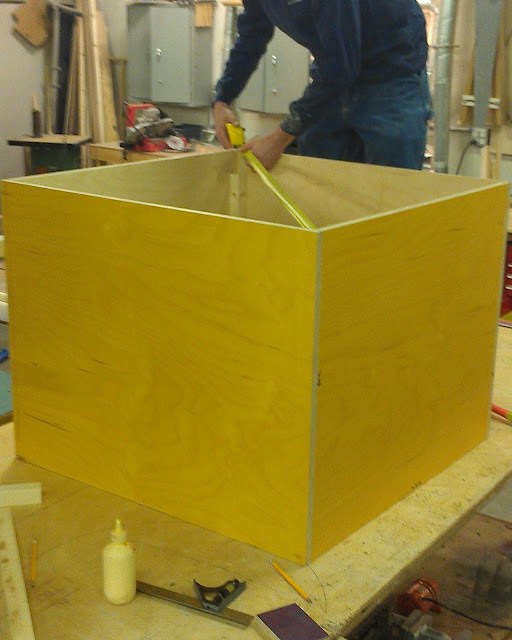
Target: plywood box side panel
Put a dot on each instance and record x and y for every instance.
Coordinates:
(166, 356)
(199, 183)
(406, 345)
(334, 192)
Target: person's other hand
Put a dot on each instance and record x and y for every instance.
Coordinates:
(222, 115)
(270, 147)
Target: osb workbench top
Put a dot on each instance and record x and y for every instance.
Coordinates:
(73, 524)
(113, 153)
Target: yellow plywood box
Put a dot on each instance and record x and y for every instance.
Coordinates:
(179, 341)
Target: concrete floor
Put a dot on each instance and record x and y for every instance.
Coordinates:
(501, 505)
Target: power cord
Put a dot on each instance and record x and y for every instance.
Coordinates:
(468, 617)
(462, 156)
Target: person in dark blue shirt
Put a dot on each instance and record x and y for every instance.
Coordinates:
(368, 99)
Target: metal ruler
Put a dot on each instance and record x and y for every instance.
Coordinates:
(13, 584)
(237, 617)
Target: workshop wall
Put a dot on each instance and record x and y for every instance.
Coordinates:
(255, 123)
(27, 62)
(21, 76)
(115, 12)
(462, 65)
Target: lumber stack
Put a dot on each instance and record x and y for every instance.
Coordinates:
(90, 104)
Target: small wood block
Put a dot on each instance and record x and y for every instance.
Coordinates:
(32, 21)
(14, 495)
(203, 14)
(288, 623)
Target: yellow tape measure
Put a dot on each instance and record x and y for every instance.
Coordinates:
(237, 139)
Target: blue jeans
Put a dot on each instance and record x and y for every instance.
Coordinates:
(383, 124)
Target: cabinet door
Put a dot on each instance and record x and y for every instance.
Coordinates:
(252, 97)
(139, 58)
(281, 77)
(286, 72)
(171, 53)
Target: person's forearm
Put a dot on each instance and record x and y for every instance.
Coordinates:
(254, 33)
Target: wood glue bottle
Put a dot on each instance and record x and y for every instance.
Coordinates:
(119, 569)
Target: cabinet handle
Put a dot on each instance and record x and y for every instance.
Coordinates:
(158, 53)
(274, 61)
(274, 91)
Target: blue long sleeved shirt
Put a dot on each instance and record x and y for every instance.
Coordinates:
(352, 41)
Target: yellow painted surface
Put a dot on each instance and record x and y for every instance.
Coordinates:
(73, 523)
(165, 356)
(172, 357)
(405, 382)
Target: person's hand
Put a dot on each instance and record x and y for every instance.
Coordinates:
(270, 147)
(222, 115)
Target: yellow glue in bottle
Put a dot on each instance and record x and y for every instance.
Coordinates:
(119, 567)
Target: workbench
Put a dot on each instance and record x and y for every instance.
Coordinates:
(53, 152)
(73, 523)
(112, 153)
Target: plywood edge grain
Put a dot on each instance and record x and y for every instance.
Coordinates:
(315, 382)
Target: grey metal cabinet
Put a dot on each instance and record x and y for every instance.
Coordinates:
(169, 59)
(281, 77)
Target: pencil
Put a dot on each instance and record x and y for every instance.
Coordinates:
(33, 562)
(504, 413)
(290, 581)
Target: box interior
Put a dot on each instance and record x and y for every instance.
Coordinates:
(221, 183)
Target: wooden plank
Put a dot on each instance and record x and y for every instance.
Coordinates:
(416, 318)
(109, 110)
(84, 120)
(13, 495)
(92, 57)
(120, 95)
(72, 94)
(13, 586)
(203, 13)
(32, 21)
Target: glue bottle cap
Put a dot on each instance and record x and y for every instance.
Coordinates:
(118, 533)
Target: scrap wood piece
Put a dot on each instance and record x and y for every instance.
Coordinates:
(32, 21)
(13, 495)
(70, 112)
(93, 67)
(84, 119)
(13, 586)
(203, 13)
(111, 133)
